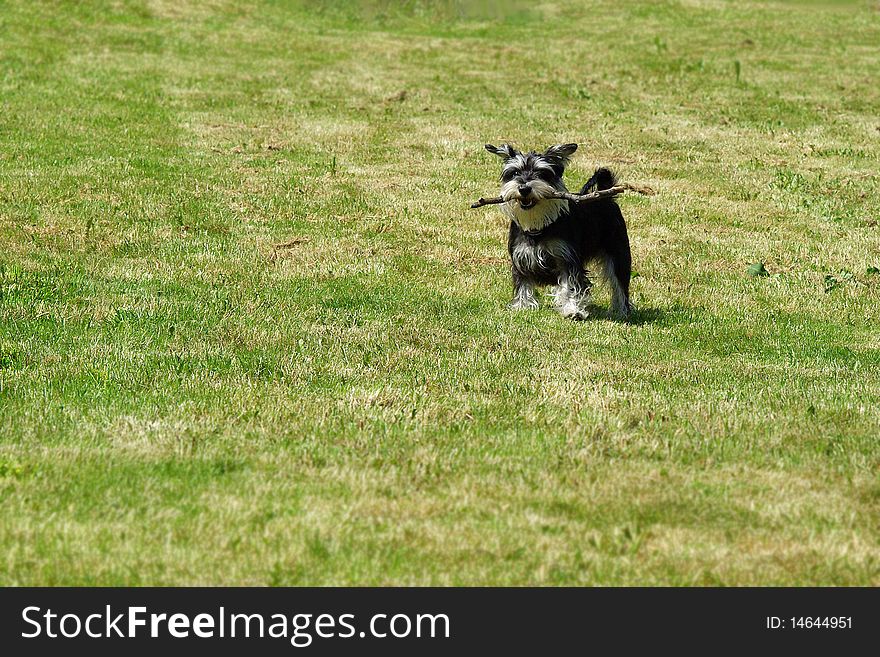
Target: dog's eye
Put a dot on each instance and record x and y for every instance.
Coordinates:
(546, 175)
(507, 175)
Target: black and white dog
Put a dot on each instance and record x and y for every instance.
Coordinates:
(551, 240)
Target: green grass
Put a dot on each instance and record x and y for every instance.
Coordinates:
(181, 402)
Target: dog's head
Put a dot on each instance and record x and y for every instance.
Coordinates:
(528, 181)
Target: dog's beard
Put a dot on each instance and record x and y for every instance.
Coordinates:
(537, 211)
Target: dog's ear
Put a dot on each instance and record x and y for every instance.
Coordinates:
(561, 151)
(506, 151)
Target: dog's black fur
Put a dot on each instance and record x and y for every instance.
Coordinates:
(551, 241)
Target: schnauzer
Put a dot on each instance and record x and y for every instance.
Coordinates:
(551, 240)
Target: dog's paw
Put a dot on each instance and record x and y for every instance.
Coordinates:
(523, 304)
(577, 316)
(576, 309)
(621, 311)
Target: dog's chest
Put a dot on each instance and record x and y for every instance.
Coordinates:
(538, 256)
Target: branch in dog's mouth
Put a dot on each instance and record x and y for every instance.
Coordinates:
(568, 196)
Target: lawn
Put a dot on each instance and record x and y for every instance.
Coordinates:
(251, 333)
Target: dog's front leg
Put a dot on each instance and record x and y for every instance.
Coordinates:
(523, 293)
(572, 294)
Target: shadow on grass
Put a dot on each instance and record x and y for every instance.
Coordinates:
(641, 316)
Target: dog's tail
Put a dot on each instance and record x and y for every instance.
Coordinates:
(602, 179)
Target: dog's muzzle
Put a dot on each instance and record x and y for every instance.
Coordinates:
(526, 200)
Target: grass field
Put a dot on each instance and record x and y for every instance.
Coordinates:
(184, 401)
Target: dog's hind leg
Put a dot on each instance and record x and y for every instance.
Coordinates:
(617, 260)
(618, 272)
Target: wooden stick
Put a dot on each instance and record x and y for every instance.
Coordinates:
(577, 198)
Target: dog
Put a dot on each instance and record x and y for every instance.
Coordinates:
(552, 240)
